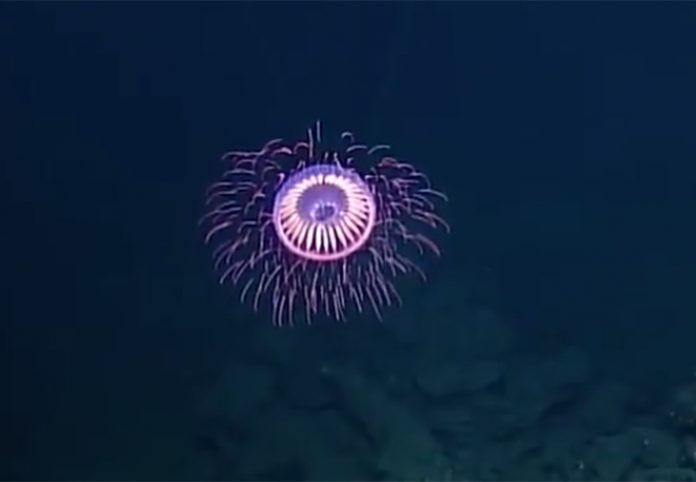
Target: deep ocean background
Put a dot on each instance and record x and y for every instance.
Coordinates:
(564, 134)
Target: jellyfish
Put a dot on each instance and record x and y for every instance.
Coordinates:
(311, 229)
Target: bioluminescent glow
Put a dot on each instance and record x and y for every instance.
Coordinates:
(310, 229)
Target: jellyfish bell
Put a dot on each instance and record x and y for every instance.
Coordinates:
(324, 213)
(309, 229)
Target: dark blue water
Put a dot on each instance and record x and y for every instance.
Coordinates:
(563, 134)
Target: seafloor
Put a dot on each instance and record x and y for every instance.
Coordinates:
(444, 393)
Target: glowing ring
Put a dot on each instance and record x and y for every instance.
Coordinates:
(347, 229)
